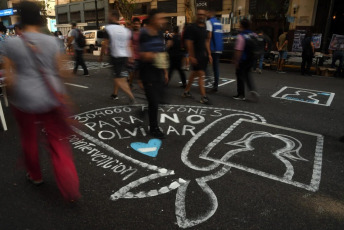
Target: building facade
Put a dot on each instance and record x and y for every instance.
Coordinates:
(83, 12)
(48, 9)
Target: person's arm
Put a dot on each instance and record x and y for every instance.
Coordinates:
(190, 49)
(278, 49)
(207, 45)
(131, 50)
(313, 48)
(104, 48)
(8, 72)
(61, 58)
(239, 47)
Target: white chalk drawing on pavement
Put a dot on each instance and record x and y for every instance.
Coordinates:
(305, 95)
(69, 65)
(212, 168)
(208, 82)
(290, 152)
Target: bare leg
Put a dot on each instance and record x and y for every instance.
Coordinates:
(201, 82)
(282, 64)
(115, 87)
(123, 85)
(190, 81)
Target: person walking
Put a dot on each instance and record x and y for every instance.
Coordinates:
(118, 40)
(135, 42)
(244, 61)
(263, 44)
(33, 69)
(75, 34)
(198, 46)
(307, 54)
(153, 67)
(176, 55)
(215, 33)
(282, 47)
(338, 55)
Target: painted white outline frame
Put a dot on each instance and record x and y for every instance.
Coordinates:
(225, 83)
(316, 175)
(328, 103)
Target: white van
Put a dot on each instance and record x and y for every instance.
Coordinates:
(94, 39)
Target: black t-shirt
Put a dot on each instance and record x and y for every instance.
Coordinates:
(199, 35)
(149, 43)
(307, 46)
(176, 49)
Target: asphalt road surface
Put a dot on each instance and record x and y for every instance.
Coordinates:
(275, 164)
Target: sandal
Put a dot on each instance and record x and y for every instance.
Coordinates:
(35, 182)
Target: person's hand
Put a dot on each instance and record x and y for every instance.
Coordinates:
(193, 61)
(210, 59)
(131, 60)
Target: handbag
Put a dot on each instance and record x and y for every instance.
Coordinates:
(161, 60)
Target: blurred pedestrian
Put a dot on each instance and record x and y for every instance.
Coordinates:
(197, 43)
(185, 62)
(214, 28)
(3, 37)
(60, 39)
(76, 34)
(18, 29)
(338, 55)
(263, 45)
(153, 67)
(33, 70)
(282, 47)
(307, 54)
(118, 40)
(176, 55)
(244, 59)
(135, 42)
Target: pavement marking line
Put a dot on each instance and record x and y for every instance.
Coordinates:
(80, 86)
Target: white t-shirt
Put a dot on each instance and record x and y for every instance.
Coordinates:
(119, 37)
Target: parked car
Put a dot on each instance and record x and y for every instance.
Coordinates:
(229, 39)
(93, 38)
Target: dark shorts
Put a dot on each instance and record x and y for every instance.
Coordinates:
(202, 63)
(120, 67)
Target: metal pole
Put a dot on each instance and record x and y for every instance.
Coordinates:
(97, 22)
(328, 26)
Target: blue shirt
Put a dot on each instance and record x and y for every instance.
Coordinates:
(215, 27)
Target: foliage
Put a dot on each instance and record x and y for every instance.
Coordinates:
(126, 7)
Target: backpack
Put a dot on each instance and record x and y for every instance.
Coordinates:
(80, 40)
(252, 47)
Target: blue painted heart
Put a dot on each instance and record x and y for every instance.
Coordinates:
(149, 149)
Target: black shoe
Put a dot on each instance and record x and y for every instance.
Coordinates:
(156, 132)
(187, 95)
(114, 97)
(205, 100)
(183, 86)
(86, 75)
(240, 98)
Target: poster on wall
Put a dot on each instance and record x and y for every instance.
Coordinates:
(337, 42)
(299, 35)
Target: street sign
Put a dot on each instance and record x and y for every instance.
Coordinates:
(7, 12)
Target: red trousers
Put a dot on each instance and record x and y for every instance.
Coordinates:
(56, 129)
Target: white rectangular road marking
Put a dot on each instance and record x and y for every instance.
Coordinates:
(80, 86)
(328, 102)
